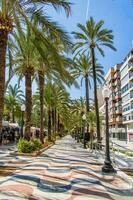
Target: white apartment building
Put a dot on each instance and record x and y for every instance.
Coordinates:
(112, 80)
(126, 76)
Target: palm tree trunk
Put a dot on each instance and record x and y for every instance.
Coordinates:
(3, 47)
(58, 123)
(95, 94)
(87, 93)
(13, 115)
(28, 92)
(53, 121)
(41, 86)
(55, 114)
(49, 124)
(87, 100)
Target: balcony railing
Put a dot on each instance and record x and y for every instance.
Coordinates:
(119, 110)
(131, 96)
(119, 119)
(127, 118)
(117, 75)
(130, 75)
(130, 65)
(130, 57)
(113, 120)
(131, 85)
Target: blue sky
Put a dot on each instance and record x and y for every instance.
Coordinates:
(118, 16)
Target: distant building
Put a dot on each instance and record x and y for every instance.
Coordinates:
(126, 72)
(112, 80)
(100, 96)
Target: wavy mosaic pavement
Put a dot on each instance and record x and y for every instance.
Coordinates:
(66, 171)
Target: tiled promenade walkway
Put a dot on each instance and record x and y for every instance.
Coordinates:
(63, 172)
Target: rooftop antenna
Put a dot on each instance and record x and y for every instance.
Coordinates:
(87, 11)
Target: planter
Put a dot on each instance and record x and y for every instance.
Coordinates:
(34, 154)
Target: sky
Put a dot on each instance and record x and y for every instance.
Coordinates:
(118, 16)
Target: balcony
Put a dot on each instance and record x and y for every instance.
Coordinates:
(130, 57)
(112, 105)
(112, 112)
(118, 104)
(131, 97)
(131, 86)
(118, 96)
(112, 98)
(112, 86)
(119, 110)
(112, 120)
(126, 109)
(130, 66)
(131, 106)
(111, 80)
(119, 119)
(130, 76)
(128, 118)
(117, 75)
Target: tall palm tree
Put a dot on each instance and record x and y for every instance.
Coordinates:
(93, 36)
(10, 12)
(25, 62)
(83, 69)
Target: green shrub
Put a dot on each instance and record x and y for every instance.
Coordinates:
(58, 134)
(37, 144)
(25, 146)
(129, 154)
(57, 137)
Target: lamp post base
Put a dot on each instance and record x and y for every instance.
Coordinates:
(108, 168)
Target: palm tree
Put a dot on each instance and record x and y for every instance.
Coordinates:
(49, 100)
(91, 117)
(77, 109)
(10, 12)
(94, 36)
(25, 62)
(61, 99)
(83, 69)
(14, 98)
(56, 101)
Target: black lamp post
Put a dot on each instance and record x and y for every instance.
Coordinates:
(84, 138)
(22, 119)
(107, 168)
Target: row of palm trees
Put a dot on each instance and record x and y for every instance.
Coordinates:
(36, 49)
(33, 42)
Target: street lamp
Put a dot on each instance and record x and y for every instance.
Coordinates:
(22, 122)
(107, 168)
(84, 119)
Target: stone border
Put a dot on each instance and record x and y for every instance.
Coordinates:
(32, 154)
(125, 177)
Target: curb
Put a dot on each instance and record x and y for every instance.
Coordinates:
(125, 177)
(32, 154)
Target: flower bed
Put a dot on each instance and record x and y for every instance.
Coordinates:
(31, 148)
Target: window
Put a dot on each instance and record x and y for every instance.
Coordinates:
(125, 88)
